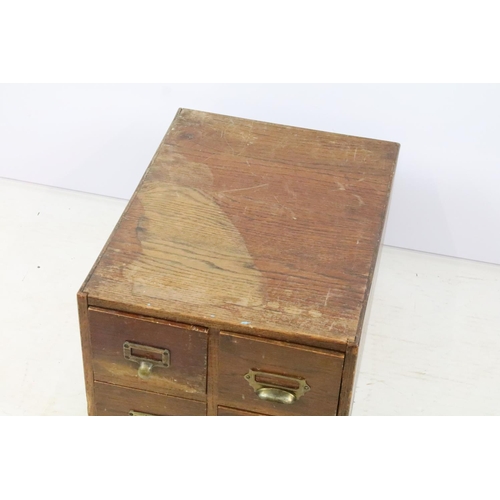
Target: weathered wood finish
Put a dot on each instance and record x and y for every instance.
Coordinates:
(322, 371)
(115, 400)
(296, 215)
(187, 345)
(265, 231)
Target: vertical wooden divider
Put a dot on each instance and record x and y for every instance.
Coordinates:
(213, 371)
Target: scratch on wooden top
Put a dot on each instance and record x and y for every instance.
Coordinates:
(244, 189)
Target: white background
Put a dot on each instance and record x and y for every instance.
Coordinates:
(99, 138)
(111, 41)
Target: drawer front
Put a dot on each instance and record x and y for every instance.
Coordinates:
(275, 378)
(148, 354)
(224, 411)
(115, 400)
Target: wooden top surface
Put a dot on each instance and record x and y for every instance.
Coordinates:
(251, 227)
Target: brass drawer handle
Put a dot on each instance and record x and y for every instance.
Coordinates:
(276, 388)
(133, 413)
(152, 356)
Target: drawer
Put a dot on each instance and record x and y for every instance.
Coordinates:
(223, 411)
(115, 400)
(148, 354)
(275, 378)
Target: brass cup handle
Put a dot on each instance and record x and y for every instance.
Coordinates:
(276, 388)
(151, 357)
(276, 395)
(145, 369)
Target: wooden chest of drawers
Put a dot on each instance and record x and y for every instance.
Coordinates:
(237, 281)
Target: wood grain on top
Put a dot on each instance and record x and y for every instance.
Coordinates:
(251, 227)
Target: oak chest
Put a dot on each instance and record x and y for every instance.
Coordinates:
(237, 281)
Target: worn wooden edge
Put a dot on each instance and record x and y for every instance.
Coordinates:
(354, 349)
(348, 380)
(269, 341)
(86, 351)
(212, 372)
(279, 335)
(242, 413)
(197, 397)
(376, 255)
(284, 126)
(129, 204)
(353, 359)
(153, 393)
(149, 319)
(351, 369)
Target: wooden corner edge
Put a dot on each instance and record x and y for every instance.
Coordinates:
(86, 350)
(348, 378)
